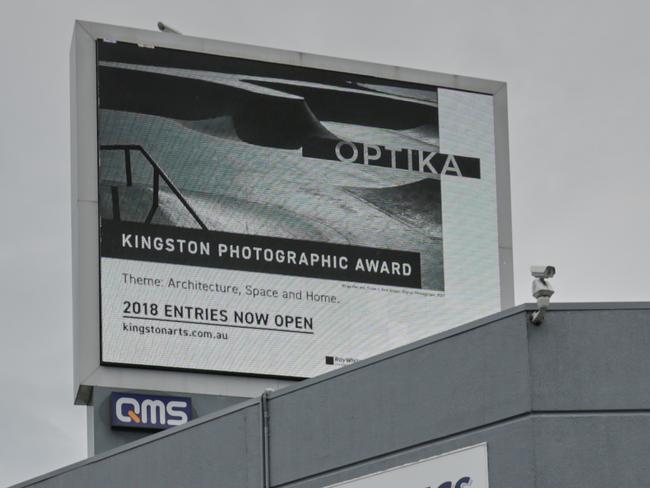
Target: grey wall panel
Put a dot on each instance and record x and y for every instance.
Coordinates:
(593, 450)
(508, 467)
(224, 452)
(591, 360)
(585, 421)
(446, 387)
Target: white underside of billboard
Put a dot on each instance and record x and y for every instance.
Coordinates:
(167, 315)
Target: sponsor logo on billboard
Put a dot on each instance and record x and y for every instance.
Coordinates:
(149, 411)
(339, 361)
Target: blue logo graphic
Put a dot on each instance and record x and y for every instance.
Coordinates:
(149, 411)
(461, 483)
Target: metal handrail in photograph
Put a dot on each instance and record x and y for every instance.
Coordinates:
(157, 174)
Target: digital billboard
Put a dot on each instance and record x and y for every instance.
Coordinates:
(266, 213)
(268, 219)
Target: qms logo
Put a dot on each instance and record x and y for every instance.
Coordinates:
(461, 483)
(149, 411)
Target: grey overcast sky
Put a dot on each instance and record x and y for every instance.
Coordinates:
(578, 75)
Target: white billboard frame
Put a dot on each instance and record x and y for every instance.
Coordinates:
(88, 370)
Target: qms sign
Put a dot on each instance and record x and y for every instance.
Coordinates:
(149, 411)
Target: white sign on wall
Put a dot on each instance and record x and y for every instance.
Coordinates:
(457, 469)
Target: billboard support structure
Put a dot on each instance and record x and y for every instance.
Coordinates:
(95, 353)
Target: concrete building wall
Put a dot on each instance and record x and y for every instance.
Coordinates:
(563, 404)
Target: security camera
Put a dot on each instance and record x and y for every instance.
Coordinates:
(542, 271)
(162, 27)
(542, 288)
(542, 291)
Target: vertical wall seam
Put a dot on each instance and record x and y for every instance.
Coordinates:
(265, 452)
(531, 394)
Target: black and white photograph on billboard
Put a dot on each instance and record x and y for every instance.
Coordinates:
(269, 219)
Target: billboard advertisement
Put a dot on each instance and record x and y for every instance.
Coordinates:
(268, 219)
(463, 468)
